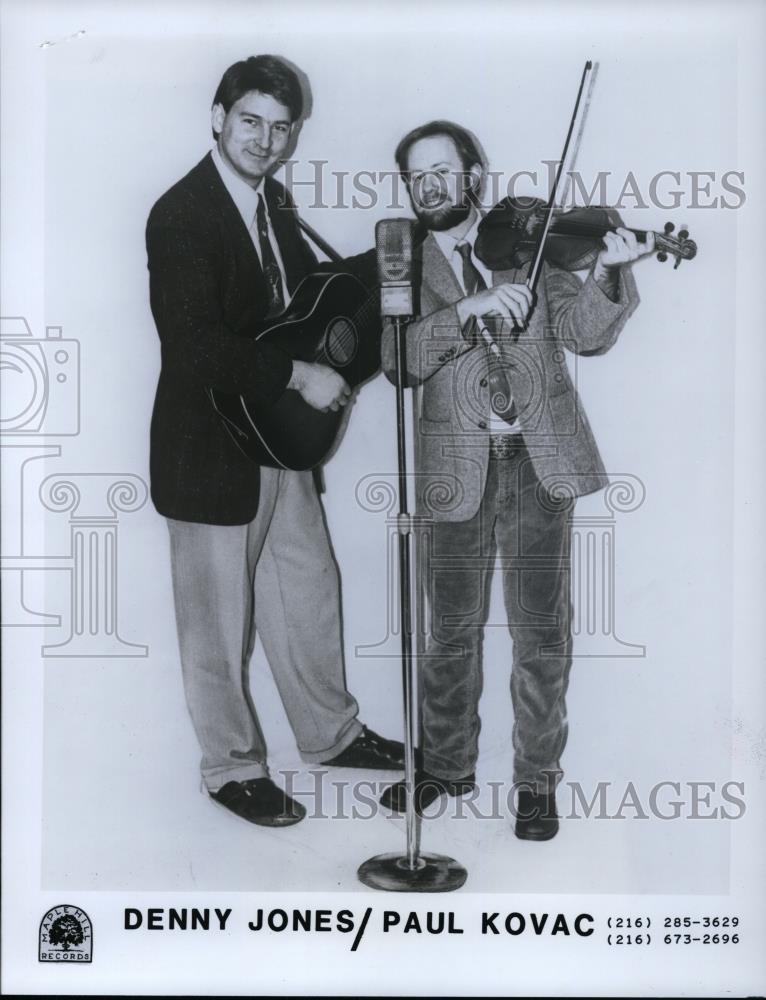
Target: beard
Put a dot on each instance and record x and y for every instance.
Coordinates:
(440, 219)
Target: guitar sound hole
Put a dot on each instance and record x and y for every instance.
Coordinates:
(341, 341)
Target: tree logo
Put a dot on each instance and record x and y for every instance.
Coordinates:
(66, 935)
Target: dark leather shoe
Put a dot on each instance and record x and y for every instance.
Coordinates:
(428, 789)
(371, 751)
(259, 801)
(536, 817)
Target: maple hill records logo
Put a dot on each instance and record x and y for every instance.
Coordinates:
(66, 935)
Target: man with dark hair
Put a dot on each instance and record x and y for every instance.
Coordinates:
(501, 432)
(267, 75)
(249, 545)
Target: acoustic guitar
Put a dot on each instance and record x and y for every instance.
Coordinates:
(332, 319)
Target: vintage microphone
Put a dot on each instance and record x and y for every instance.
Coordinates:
(412, 871)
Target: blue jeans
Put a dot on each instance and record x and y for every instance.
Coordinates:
(533, 537)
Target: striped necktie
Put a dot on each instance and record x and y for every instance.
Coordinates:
(269, 261)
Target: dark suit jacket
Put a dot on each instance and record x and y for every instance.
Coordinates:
(207, 292)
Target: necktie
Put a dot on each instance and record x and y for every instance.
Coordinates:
(269, 261)
(500, 390)
(472, 279)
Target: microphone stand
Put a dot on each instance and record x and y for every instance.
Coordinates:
(411, 871)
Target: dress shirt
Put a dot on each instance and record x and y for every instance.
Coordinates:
(246, 198)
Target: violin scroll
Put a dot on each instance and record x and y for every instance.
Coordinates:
(680, 246)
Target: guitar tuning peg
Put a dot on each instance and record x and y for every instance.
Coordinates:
(669, 227)
(678, 261)
(683, 234)
(662, 256)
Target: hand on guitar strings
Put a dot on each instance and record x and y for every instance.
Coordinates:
(319, 385)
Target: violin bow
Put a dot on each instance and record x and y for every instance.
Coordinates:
(576, 128)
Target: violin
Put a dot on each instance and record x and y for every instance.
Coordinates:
(509, 236)
(517, 231)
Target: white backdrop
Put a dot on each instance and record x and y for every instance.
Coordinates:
(126, 114)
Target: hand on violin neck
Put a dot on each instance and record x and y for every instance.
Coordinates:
(507, 301)
(620, 248)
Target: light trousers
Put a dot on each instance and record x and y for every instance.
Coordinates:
(276, 577)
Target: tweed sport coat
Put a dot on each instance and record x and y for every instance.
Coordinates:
(207, 293)
(452, 437)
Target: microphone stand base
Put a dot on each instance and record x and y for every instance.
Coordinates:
(392, 873)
